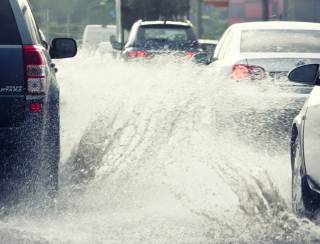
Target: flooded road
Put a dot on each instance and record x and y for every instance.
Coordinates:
(167, 153)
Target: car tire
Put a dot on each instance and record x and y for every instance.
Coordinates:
(305, 202)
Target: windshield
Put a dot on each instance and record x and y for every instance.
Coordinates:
(159, 36)
(297, 41)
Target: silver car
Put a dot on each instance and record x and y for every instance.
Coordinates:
(305, 141)
(260, 50)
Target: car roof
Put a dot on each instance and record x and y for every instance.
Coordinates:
(276, 25)
(164, 22)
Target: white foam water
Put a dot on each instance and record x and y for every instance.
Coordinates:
(167, 152)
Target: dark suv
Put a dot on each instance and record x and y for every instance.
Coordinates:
(29, 100)
(150, 38)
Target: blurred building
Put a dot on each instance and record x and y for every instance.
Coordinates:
(252, 10)
(249, 10)
(304, 10)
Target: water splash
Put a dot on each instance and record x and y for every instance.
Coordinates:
(168, 153)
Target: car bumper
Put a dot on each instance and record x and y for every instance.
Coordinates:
(29, 132)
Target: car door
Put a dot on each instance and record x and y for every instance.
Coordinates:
(312, 135)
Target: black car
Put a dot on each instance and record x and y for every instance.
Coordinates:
(151, 38)
(29, 101)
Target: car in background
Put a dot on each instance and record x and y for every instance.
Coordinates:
(266, 50)
(29, 103)
(149, 39)
(261, 54)
(93, 35)
(208, 46)
(305, 142)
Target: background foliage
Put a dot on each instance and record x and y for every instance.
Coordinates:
(69, 17)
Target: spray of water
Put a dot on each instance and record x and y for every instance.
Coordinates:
(165, 152)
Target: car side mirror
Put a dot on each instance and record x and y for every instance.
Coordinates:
(202, 58)
(115, 44)
(63, 48)
(307, 74)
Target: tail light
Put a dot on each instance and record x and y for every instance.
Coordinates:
(248, 72)
(35, 107)
(35, 69)
(190, 54)
(137, 54)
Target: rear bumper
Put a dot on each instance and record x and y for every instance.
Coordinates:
(30, 132)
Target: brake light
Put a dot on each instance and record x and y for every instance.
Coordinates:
(248, 72)
(35, 107)
(137, 54)
(189, 54)
(35, 69)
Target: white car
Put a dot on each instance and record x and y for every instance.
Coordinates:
(305, 142)
(95, 34)
(260, 50)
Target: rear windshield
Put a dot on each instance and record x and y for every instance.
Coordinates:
(165, 34)
(9, 33)
(298, 41)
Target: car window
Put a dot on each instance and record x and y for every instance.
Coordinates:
(165, 33)
(299, 41)
(9, 34)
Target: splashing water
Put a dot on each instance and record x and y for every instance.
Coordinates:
(168, 153)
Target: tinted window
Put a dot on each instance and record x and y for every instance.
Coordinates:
(169, 33)
(9, 33)
(173, 34)
(300, 41)
(159, 35)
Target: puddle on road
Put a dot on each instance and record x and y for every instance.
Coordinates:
(167, 153)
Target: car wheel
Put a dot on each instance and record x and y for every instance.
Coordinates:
(305, 202)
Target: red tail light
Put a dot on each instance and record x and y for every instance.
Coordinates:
(248, 72)
(35, 69)
(190, 54)
(137, 54)
(35, 107)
